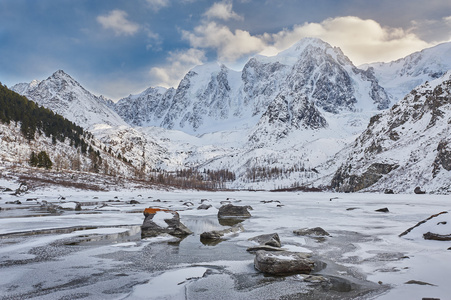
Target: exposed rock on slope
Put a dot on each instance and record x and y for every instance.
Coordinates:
(405, 147)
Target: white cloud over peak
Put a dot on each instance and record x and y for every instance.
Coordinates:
(229, 45)
(363, 41)
(222, 10)
(117, 21)
(178, 64)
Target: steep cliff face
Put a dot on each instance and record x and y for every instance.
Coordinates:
(404, 147)
(65, 96)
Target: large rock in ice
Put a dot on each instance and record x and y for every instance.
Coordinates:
(159, 221)
(233, 211)
(283, 263)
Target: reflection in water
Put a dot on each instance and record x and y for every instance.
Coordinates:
(210, 242)
(230, 221)
(202, 224)
(132, 234)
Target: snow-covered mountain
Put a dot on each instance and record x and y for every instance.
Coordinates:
(65, 96)
(403, 75)
(404, 147)
(276, 123)
(213, 97)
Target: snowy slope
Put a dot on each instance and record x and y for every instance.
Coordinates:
(401, 76)
(65, 96)
(404, 147)
(15, 152)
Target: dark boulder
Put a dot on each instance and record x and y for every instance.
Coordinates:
(233, 211)
(283, 263)
(388, 191)
(159, 221)
(418, 191)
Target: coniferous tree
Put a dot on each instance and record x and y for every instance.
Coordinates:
(33, 161)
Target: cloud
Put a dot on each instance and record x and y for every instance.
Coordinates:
(179, 63)
(116, 20)
(362, 40)
(229, 45)
(158, 4)
(222, 10)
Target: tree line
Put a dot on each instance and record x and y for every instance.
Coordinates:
(37, 119)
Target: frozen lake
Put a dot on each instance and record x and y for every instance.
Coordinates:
(98, 252)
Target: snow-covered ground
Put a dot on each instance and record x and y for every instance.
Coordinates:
(98, 253)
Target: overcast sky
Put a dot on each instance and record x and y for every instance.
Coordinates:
(121, 47)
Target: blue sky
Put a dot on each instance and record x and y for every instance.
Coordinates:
(121, 47)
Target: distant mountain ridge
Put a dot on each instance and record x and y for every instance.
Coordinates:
(401, 76)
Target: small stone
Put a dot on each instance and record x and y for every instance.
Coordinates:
(418, 191)
(317, 231)
(204, 206)
(418, 282)
(384, 210)
(271, 239)
(388, 191)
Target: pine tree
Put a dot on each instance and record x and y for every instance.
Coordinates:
(33, 161)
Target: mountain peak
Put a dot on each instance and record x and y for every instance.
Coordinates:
(60, 74)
